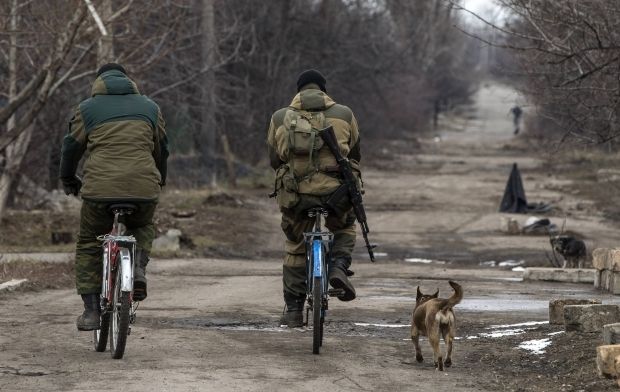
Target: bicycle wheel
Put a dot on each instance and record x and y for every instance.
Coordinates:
(101, 335)
(317, 317)
(119, 326)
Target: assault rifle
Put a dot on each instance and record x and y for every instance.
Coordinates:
(349, 184)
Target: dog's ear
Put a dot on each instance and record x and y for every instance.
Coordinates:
(436, 294)
(418, 294)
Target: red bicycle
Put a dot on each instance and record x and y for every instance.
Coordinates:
(118, 310)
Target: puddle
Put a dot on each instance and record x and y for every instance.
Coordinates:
(525, 324)
(503, 330)
(503, 304)
(382, 325)
(509, 279)
(511, 263)
(424, 261)
(502, 333)
(536, 346)
(253, 328)
(507, 263)
(390, 298)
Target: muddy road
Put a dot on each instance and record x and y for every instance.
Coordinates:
(212, 324)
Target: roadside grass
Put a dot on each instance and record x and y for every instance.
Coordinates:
(40, 275)
(595, 176)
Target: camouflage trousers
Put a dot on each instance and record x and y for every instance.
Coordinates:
(295, 222)
(95, 220)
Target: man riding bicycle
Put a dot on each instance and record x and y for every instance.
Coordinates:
(307, 175)
(124, 133)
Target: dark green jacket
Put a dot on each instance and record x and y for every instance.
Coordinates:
(124, 133)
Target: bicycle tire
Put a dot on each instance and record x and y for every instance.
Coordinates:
(119, 326)
(101, 335)
(317, 325)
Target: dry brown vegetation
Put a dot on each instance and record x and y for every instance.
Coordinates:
(219, 68)
(567, 65)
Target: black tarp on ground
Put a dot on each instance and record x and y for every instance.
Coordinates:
(514, 200)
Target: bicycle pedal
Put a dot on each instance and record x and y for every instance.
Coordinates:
(335, 292)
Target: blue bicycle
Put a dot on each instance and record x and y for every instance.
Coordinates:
(318, 254)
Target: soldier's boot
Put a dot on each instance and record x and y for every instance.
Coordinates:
(293, 316)
(339, 278)
(139, 276)
(89, 319)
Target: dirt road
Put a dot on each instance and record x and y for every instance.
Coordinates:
(212, 324)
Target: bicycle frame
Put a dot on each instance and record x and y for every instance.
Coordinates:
(116, 243)
(317, 260)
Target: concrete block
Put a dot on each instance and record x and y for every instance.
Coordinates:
(556, 307)
(606, 279)
(614, 282)
(606, 360)
(509, 225)
(609, 281)
(600, 258)
(590, 318)
(598, 283)
(569, 275)
(614, 260)
(611, 333)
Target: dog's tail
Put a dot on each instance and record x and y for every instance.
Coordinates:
(456, 297)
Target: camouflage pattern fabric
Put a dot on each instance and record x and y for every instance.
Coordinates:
(95, 220)
(343, 121)
(314, 190)
(294, 223)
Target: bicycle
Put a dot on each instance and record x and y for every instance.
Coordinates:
(118, 310)
(318, 255)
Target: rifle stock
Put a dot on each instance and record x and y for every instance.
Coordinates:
(344, 166)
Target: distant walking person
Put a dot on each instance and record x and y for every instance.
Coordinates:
(124, 134)
(307, 175)
(517, 112)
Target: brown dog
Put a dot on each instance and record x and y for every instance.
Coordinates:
(434, 317)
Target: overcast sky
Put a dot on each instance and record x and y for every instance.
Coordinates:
(484, 8)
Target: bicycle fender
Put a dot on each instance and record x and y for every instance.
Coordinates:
(126, 268)
(317, 259)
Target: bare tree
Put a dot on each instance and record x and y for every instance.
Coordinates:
(568, 54)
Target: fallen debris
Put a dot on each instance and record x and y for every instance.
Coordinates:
(12, 284)
(169, 242)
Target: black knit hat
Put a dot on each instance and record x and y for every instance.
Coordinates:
(111, 66)
(311, 76)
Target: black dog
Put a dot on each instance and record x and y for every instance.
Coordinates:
(573, 250)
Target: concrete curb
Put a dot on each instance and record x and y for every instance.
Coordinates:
(567, 275)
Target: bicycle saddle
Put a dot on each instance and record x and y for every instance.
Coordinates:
(317, 211)
(123, 208)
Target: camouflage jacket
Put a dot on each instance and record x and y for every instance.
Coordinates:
(124, 133)
(343, 121)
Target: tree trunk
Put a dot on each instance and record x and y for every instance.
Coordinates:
(7, 176)
(230, 162)
(105, 48)
(207, 136)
